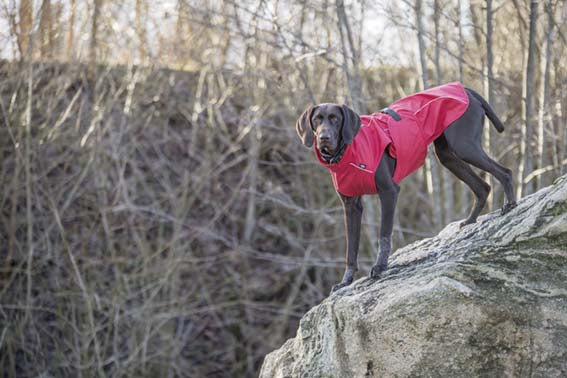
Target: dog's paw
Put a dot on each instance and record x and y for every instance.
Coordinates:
(348, 277)
(466, 223)
(340, 286)
(508, 207)
(377, 270)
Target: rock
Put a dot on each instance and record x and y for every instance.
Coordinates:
(487, 300)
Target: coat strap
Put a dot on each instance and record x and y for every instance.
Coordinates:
(391, 113)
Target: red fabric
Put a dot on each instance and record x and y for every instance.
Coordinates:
(425, 115)
(353, 175)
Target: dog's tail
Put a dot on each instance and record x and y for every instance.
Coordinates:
(498, 125)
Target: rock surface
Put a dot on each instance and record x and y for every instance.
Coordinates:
(487, 300)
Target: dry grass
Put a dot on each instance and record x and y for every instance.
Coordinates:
(124, 213)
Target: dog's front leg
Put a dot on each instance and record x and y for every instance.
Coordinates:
(352, 207)
(388, 200)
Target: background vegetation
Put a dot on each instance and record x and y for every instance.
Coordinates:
(158, 215)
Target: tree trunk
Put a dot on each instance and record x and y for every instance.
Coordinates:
(448, 193)
(421, 45)
(352, 72)
(97, 4)
(71, 31)
(465, 191)
(252, 61)
(526, 148)
(351, 60)
(26, 24)
(561, 122)
(46, 30)
(431, 168)
(141, 9)
(559, 105)
(488, 132)
(477, 28)
(544, 111)
(461, 43)
(561, 100)
(27, 121)
(436, 17)
(489, 53)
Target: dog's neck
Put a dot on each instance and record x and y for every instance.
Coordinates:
(336, 157)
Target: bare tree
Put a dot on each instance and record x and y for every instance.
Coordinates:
(97, 4)
(26, 24)
(464, 192)
(447, 178)
(141, 11)
(461, 53)
(544, 109)
(351, 68)
(28, 157)
(431, 167)
(351, 59)
(417, 7)
(70, 45)
(436, 26)
(46, 32)
(560, 114)
(528, 105)
(489, 53)
(489, 88)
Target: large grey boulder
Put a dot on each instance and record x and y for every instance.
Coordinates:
(488, 300)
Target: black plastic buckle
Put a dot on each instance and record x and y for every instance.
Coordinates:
(391, 113)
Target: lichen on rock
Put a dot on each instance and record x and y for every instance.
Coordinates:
(486, 300)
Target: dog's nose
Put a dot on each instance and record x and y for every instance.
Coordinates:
(325, 137)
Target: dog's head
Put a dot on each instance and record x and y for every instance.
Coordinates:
(332, 124)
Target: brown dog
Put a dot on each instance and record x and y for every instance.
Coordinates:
(338, 136)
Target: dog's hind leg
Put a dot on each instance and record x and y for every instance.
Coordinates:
(461, 169)
(475, 155)
(463, 138)
(503, 174)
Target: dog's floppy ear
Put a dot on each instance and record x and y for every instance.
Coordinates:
(351, 124)
(304, 127)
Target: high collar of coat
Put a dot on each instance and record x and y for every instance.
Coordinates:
(336, 157)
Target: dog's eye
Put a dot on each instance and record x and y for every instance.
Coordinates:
(332, 117)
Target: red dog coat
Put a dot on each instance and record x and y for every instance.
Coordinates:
(424, 116)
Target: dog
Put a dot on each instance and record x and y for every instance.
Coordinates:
(372, 154)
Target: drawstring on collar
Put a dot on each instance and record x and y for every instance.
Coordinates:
(336, 157)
